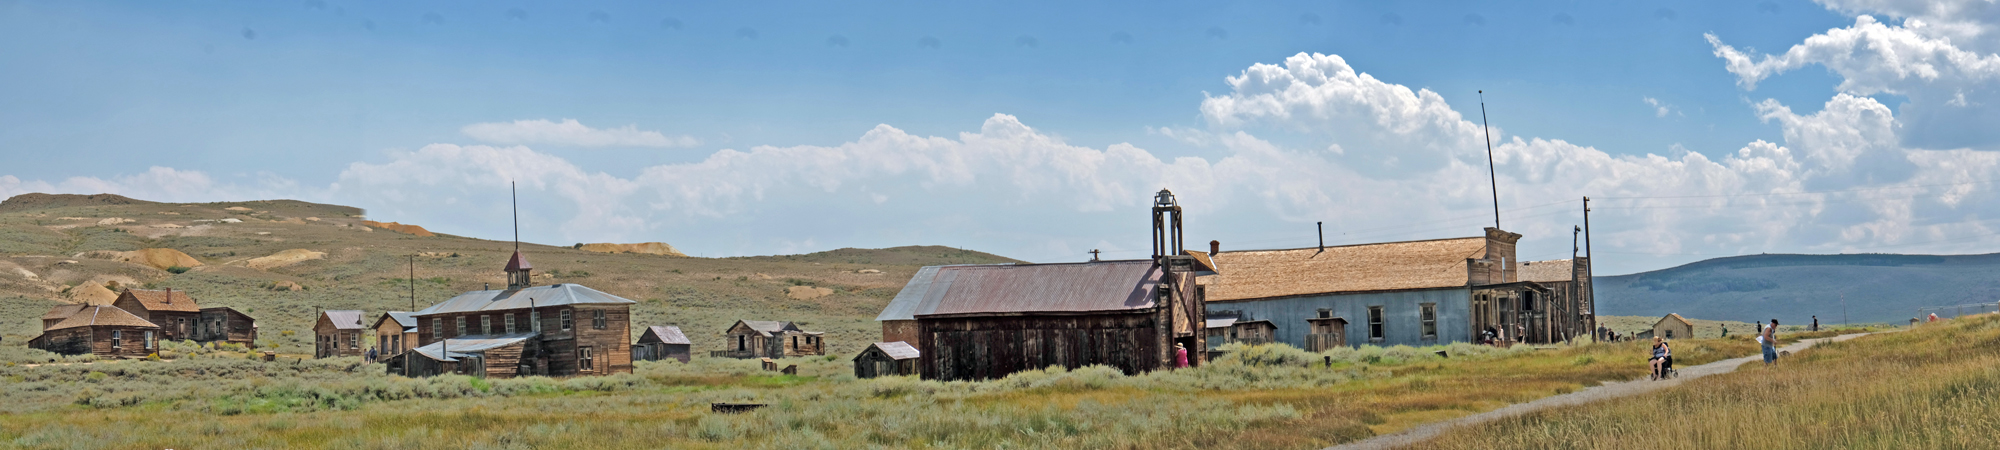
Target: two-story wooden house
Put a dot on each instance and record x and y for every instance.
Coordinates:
(554, 330)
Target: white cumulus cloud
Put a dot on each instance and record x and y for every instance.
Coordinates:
(570, 133)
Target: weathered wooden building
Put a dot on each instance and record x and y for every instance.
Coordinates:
(338, 333)
(662, 342)
(569, 329)
(173, 311)
(395, 332)
(58, 313)
(484, 356)
(769, 339)
(225, 324)
(1673, 326)
(883, 359)
(1566, 311)
(106, 331)
(1224, 329)
(1398, 293)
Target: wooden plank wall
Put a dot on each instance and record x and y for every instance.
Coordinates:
(977, 348)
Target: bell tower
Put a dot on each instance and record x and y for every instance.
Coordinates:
(1166, 226)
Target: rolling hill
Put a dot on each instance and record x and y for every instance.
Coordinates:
(249, 255)
(1791, 288)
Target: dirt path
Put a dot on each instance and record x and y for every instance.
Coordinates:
(1606, 391)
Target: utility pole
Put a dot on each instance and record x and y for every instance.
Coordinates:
(1491, 174)
(1589, 270)
(413, 283)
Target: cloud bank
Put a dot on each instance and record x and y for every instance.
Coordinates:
(570, 133)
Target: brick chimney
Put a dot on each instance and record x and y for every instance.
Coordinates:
(1214, 247)
(170, 296)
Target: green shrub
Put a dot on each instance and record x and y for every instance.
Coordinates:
(177, 270)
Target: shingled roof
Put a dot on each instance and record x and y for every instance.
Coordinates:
(1555, 270)
(102, 316)
(1104, 286)
(163, 300)
(61, 312)
(1257, 274)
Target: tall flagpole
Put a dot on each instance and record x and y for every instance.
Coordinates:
(1490, 172)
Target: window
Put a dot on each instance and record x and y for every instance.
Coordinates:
(1430, 318)
(485, 324)
(382, 342)
(597, 319)
(534, 320)
(1325, 313)
(437, 328)
(117, 338)
(354, 340)
(1670, 334)
(566, 320)
(510, 323)
(149, 339)
(583, 359)
(795, 342)
(1375, 332)
(741, 343)
(461, 326)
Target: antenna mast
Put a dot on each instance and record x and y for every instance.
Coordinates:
(1490, 172)
(514, 194)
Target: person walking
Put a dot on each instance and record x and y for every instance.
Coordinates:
(1770, 341)
(1815, 325)
(1725, 330)
(1180, 356)
(371, 355)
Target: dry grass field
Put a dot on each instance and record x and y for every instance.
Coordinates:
(1935, 386)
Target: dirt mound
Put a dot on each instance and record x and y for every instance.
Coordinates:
(649, 248)
(115, 221)
(236, 208)
(92, 294)
(34, 201)
(807, 292)
(284, 258)
(412, 230)
(158, 258)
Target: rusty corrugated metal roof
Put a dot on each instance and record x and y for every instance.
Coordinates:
(1042, 288)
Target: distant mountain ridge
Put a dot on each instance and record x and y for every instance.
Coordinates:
(1794, 287)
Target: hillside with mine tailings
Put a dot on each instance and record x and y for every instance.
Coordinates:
(250, 255)
(1792, 288)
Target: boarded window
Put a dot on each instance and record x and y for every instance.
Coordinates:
(584, 360)
(1375, 331)
(566, 320)
(597, 319)
(1430, 318)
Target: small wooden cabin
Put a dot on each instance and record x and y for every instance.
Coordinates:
(886, 359)
(659, 343)
(770, 339)
(395, 332)
(105, 331)
(338, 334)
(1673, 326)
(173, 311)
(226, 324)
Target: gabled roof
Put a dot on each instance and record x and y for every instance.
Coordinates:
(538, 296)
(343, 319)
(1104, 286)
(404, 319)
(96, 316)
(898, 350)
(1431, 264)
(225, 309)
(904, 306)
(162, 301)
(1551, 271)
(62, 311)
(471, 345)
(766, 328)
(1673, 316)
(665, 335)
(518, 263)
(1201, 258)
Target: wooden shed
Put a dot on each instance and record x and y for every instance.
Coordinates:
(173, 311)
(395, 332)
(101, 330)
(658, 343)
(769, 339)
(225, 324)
(501, 356)
(1673, 326)
(338, 333)
(886, 359)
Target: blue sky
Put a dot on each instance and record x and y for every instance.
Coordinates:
(1034, 129)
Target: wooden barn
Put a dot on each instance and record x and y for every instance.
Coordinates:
(979, 322)
(225, 324)
(173, 311)
(395, 332)
(1673, 326)
(105, 331)
(338, 333)
(769, 339)
(883, 359)
(661, 343)
(570, 329)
